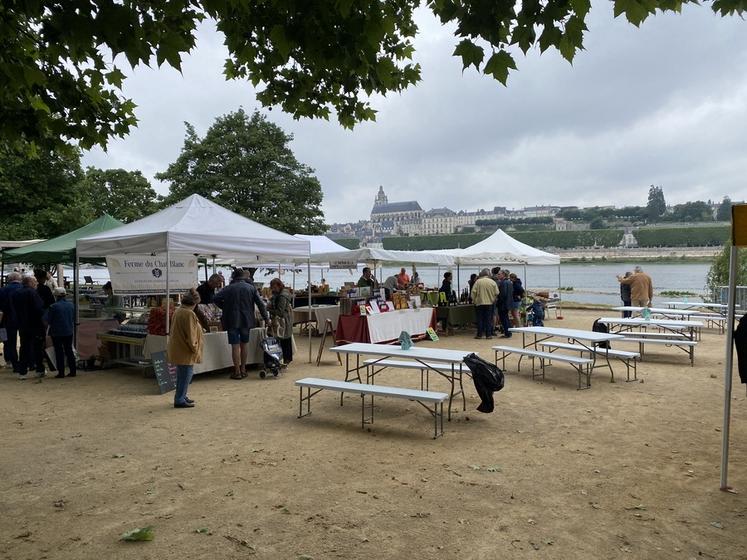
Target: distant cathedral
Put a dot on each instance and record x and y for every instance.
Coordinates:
(389, 217)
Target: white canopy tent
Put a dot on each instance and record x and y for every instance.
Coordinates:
(502, 248)
(376, 257)
(384, 256)
(200, 227)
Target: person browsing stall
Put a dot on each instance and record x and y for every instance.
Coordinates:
(61, 321)
(484, 294)
(184, 349)
(367, 280)
(9, 321)
(208, 289)
(237, 300)
(281, 314)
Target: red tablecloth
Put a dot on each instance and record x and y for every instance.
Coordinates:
(354, 328)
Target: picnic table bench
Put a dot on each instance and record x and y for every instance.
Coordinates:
(424, 398)
(581, 365)
(630, 359)
(374, 366)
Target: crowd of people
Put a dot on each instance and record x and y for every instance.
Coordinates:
(240, 303)
(32, 307)
(497, 295)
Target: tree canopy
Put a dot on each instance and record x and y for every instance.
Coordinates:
(40, 196)
(723, 214)
(61, 63)
(125, 195)
(656, 206)
(246, 165)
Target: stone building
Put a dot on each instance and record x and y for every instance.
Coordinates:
(395, 218)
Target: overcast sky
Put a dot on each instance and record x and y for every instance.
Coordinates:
(665, 104)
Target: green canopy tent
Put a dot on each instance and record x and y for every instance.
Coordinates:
(61, 250)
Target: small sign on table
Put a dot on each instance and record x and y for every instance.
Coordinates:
(165, 372)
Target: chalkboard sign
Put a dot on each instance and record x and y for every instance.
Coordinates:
(165, 372)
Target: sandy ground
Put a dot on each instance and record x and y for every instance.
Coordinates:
(624, 470)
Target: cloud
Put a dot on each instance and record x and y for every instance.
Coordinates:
(664, 104)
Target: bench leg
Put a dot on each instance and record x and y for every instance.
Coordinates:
(307, 399)
(370, 419)
(438, 418)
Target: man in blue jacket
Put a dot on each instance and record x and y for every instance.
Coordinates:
(9, 321)
(61, 326)
(237, 300)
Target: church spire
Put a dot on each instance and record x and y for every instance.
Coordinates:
(381, 197)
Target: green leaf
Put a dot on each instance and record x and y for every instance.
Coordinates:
(115, 78)
(471, 54)
(636, 11)
(498, 66)
(139, 534)
(38, 104)
(280, 40)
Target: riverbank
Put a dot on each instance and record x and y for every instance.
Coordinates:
(622, 470)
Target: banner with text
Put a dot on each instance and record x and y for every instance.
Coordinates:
(146, 274)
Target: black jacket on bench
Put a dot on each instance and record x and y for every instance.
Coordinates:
(487, 378)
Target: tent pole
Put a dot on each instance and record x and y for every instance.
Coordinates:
(76, 297)
(2, 270)
(308, 273)
(168, 290)
(728, 362)
(459, 288)
(560, 297)
(213, 264)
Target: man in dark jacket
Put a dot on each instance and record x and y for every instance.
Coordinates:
(505, 301)
(625, 295)
(9, 321)
(237, 300)
(61, 325)
(44, 291)
(29, 310)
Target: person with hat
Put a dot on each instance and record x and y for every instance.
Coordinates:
(61, 319)
(237, 300)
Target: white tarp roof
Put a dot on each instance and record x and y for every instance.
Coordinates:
(502, 248)
(198, 226)
(321, 244)
(384, 256)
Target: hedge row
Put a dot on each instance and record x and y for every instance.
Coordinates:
(647, 237)
(352, 243)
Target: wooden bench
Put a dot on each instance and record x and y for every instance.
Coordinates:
(581, 365)
(425, 398)
(630, 359)
(684, 344)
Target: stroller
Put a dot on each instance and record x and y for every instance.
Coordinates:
(272, 355)
(536, 314)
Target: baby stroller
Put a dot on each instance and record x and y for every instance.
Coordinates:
(272, 355)
(536, 314)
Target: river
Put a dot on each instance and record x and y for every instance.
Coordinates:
(591, 283)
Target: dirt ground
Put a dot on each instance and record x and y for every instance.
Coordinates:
(624, 470)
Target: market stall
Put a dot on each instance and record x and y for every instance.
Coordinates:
(378, 316)
(158, 254)
(385, 327)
